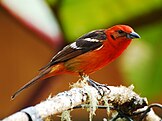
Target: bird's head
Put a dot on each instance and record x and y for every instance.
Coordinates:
(120, 35)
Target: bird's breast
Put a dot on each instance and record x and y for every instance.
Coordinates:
(91, 61)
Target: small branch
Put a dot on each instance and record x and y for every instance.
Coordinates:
(122, 99)
(147, 113)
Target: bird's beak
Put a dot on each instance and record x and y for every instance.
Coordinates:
(133, 35)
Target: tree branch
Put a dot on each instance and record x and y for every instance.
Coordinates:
(121, 99)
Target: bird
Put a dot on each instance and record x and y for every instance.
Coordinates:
(87, 54)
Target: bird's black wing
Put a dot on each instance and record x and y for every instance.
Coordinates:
(85, 43)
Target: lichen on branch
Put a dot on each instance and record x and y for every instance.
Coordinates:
(121, 100)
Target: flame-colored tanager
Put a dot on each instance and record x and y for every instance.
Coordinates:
(88, 53)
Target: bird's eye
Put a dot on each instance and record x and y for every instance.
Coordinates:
(120, 31)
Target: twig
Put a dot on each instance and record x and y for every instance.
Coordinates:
(148, 110)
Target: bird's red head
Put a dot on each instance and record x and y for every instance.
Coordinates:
(120, 35)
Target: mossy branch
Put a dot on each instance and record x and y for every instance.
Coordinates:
(124, 101)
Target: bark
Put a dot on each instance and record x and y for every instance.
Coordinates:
(121, 100)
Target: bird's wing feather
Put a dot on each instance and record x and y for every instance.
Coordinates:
(86, 43)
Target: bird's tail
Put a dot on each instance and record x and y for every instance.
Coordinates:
(41, 75)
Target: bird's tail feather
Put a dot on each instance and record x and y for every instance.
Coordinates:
(35, 79)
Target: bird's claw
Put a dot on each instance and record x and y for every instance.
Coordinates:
(98, 86)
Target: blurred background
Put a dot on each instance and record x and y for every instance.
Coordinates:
(32, 31)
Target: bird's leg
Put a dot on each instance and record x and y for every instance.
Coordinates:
(95, 84)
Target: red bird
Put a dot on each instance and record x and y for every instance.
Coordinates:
(87, 54)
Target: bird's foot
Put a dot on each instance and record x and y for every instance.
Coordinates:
(98, 86)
